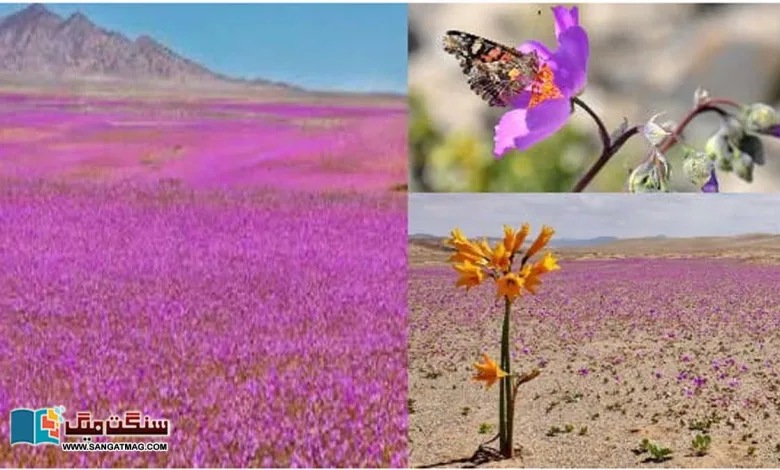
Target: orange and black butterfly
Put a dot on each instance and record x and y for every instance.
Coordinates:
(495, 72)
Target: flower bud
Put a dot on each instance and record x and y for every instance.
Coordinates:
(760, 117)
(718, 149)
(700, 96)
(733, 128)
(651, 176)
(698, 167)
(620, 130)
(653, 132)
(752, 145)
(743, 167)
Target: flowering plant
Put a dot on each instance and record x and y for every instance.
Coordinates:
(544, 106)
(477, 261)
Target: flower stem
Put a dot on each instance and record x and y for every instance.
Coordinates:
(606, 154)
(603, 133)
(700, 109)
(506, 386)
(611, 147)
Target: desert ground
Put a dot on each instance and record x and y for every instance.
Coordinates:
(186, 256)
(658, 339)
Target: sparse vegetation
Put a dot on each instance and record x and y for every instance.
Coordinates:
(701, 444)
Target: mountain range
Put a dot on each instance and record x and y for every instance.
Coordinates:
(554, 243)
(37, 44)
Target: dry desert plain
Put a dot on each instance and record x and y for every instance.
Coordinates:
(658, 339)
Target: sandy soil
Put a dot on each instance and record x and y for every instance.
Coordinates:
(595, 399)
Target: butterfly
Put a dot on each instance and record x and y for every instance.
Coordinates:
(495, 72)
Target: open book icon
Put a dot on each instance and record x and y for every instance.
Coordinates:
(35, 427)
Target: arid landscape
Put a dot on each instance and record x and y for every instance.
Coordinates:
(175, 241)
(664, 339)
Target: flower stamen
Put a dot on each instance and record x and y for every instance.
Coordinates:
(544, 87)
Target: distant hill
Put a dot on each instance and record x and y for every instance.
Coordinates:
(559, 243)
(39, 47)
(760, 248)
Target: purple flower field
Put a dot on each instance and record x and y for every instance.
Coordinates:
(628, 349)
(267, 324)
(205, 143)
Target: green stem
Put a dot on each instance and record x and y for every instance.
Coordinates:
(506, 385)
(501, 411)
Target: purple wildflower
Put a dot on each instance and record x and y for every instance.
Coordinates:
(544, 109)
(711, 186)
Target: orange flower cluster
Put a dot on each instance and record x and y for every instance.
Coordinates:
(477, 260)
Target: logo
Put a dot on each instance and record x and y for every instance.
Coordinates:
(495, 72)
(37, 427)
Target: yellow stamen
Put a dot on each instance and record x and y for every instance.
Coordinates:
(544, 87)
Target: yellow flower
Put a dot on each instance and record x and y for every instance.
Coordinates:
(541, 241)
(456, 236)
(467, 255)
(499, 258)
(546, 264)
(484, 248)
(509, 239)
(466, 249)
(489, 372)
(510, 285)
(470, 275)
(520, 237)
(531, 279)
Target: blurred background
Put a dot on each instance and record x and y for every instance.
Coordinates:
(644, 59)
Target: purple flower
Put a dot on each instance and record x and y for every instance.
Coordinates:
(711, 186)
(543, 109)
(734, 383)
(583, 371)
(699, 382)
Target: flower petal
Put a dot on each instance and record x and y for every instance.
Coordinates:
(565, 18)
(522, 100)
(530, 46)
(543, 121)
(511, 126)
(570, 61)
(711, 186)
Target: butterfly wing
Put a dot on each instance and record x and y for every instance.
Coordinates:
(495, 72)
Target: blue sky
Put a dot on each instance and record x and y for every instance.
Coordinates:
(354, 47)
(587, 215)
